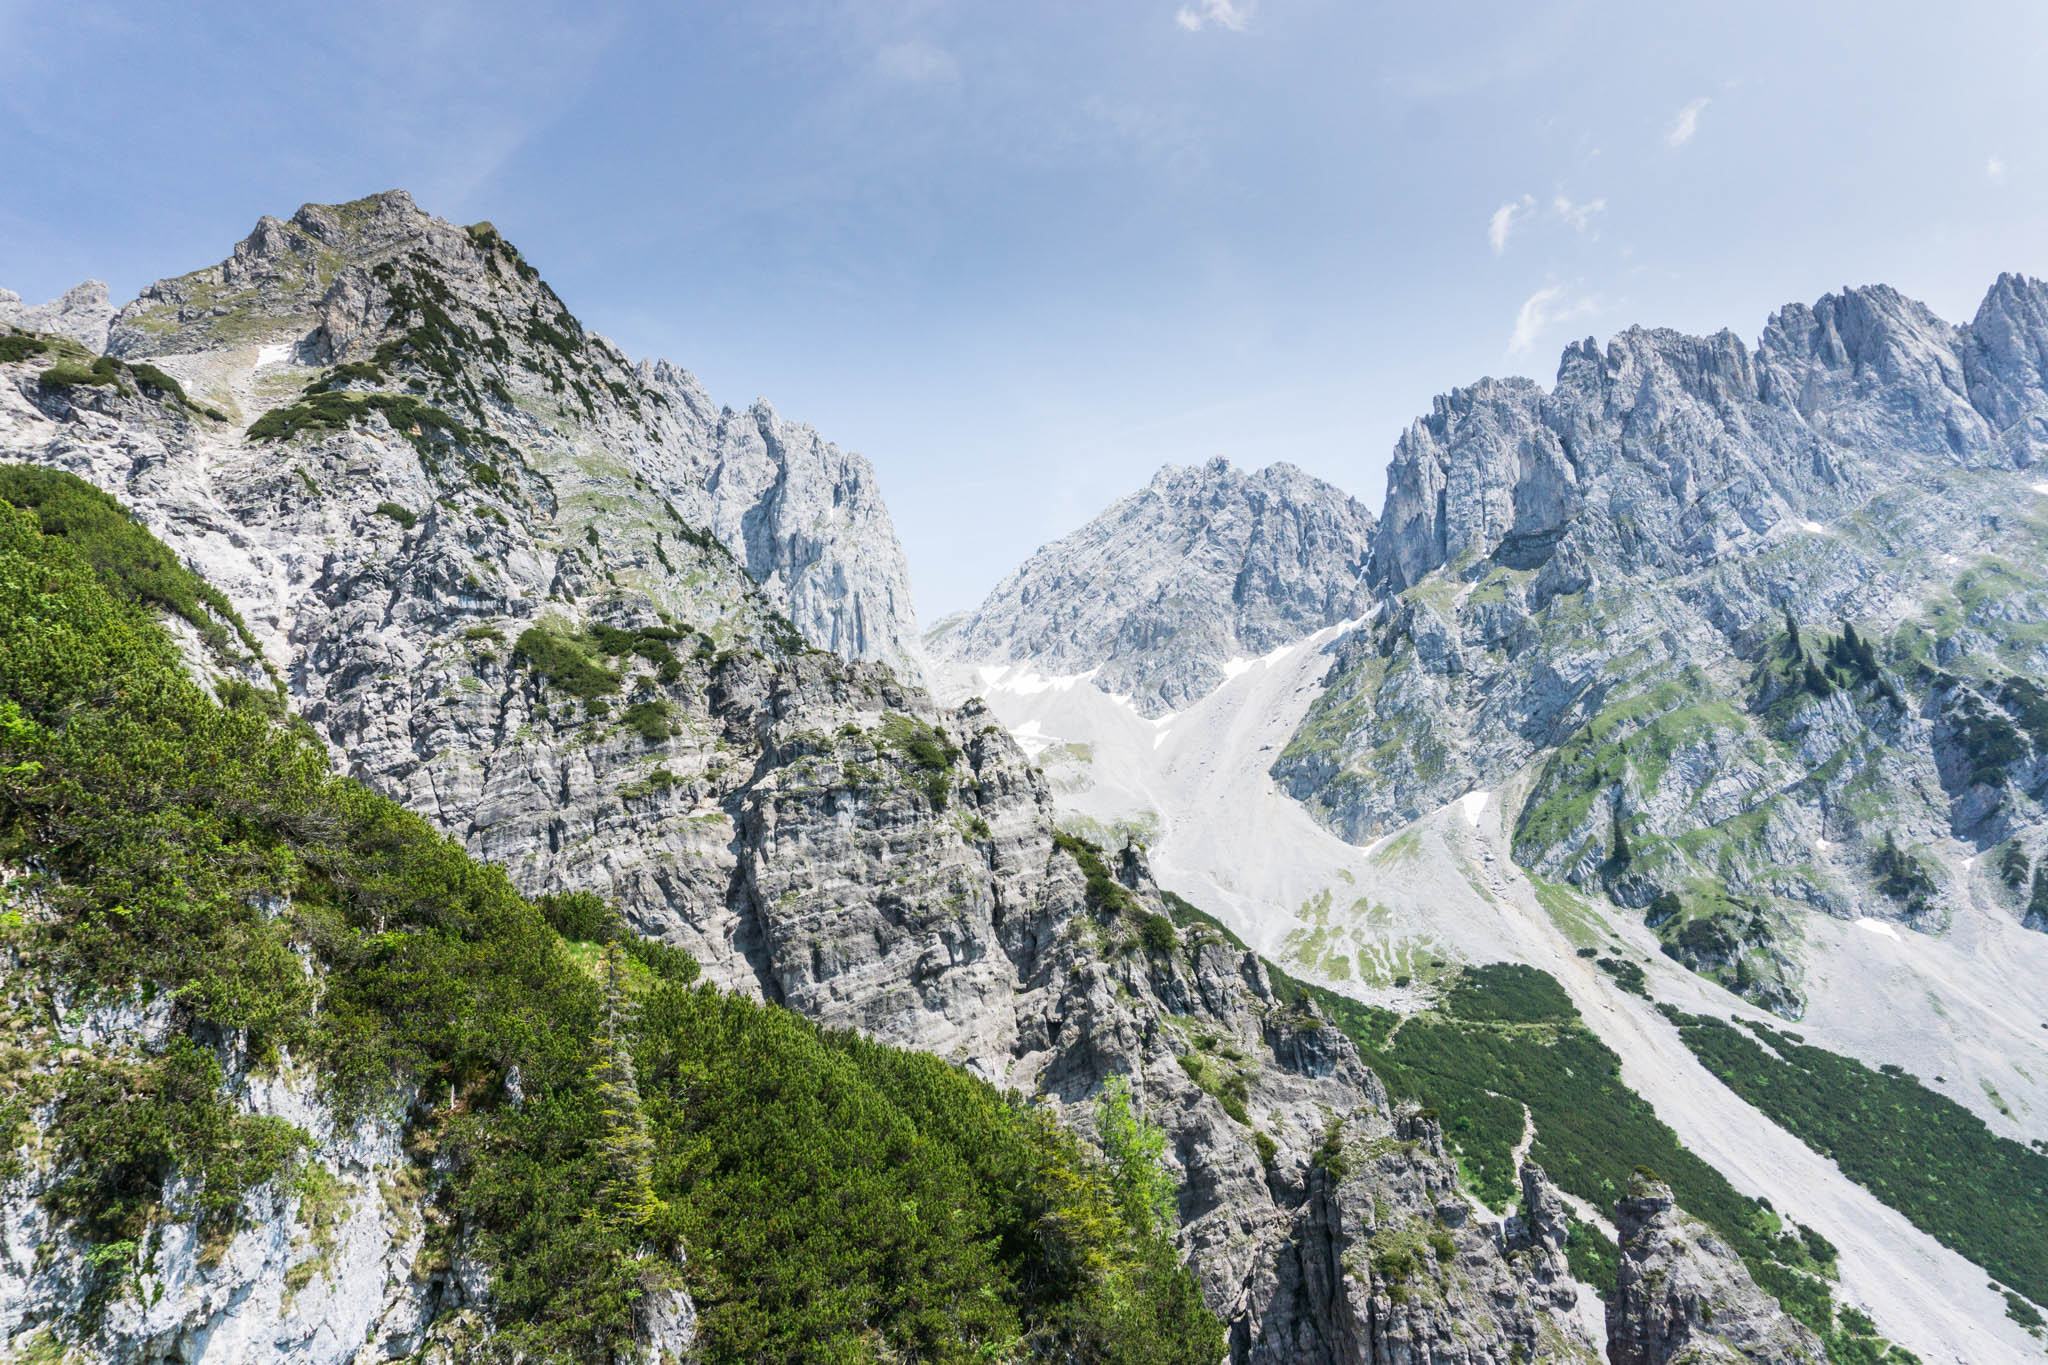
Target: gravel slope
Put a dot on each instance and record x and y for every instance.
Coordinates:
(1966, 1006)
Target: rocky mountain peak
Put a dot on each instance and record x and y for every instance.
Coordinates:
(1618, 555)
(376, 295)
(81, 313)
(277, 279)
(1204, 564)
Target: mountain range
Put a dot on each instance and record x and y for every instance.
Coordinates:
(1260, 928)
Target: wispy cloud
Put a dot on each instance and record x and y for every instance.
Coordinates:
(918, 62)
(1230, 14)
(1994, 169)
(1579, 217)
(1544, 309)
(1513, 215)
(1502, 224)
(1686, 123)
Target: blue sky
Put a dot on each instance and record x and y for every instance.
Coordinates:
(1021, 254)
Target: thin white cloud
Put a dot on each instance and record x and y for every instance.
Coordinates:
(918, 62)
(1548, 306)
(1230, 14)
(1994, 169)
(1578, 216)
(1686, 124)
(1504, 220)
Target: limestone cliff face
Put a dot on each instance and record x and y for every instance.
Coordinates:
(1755, 608)
(450, 517)
(805, 517)
(1204, 565)
(1390, 1262)
(1683, 1295)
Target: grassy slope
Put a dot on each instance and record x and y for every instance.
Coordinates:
(837, 1198)
(1921, 1152)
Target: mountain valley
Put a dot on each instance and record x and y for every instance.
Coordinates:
(490, 866)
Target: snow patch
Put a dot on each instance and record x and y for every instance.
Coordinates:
(1032, 739)
(1878, 926)
(2041, 488)
(1026, 682)
(277, 353)
(1470, 805)
(1239, 665)
(1159, 739)
(1813, 528)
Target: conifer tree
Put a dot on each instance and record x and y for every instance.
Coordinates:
(628, 1151)
(2013, 866)
(1136, 1150)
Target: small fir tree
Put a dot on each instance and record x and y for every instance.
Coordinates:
(1136, 1150)
(628, 1189)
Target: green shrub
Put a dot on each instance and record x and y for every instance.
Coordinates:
(1506, 1036)
(125, 1131)
(1155, 932)
(650, 720)
(1901, 875)
(581, 915)
(1226, 1085)
(420, 423)
(2013, 866)
(925, 747)
(17, 346)
(1628, 975)
(1106, 895)
(1509, 993)
(1593, 1256)
(1441, 1242)
(404, 516)
(560, 662)
(72, 374)
(153, 380)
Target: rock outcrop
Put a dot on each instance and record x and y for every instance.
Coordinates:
(82, 313)
(1153, 598)
(1390, 1261)
(1683, 1296)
